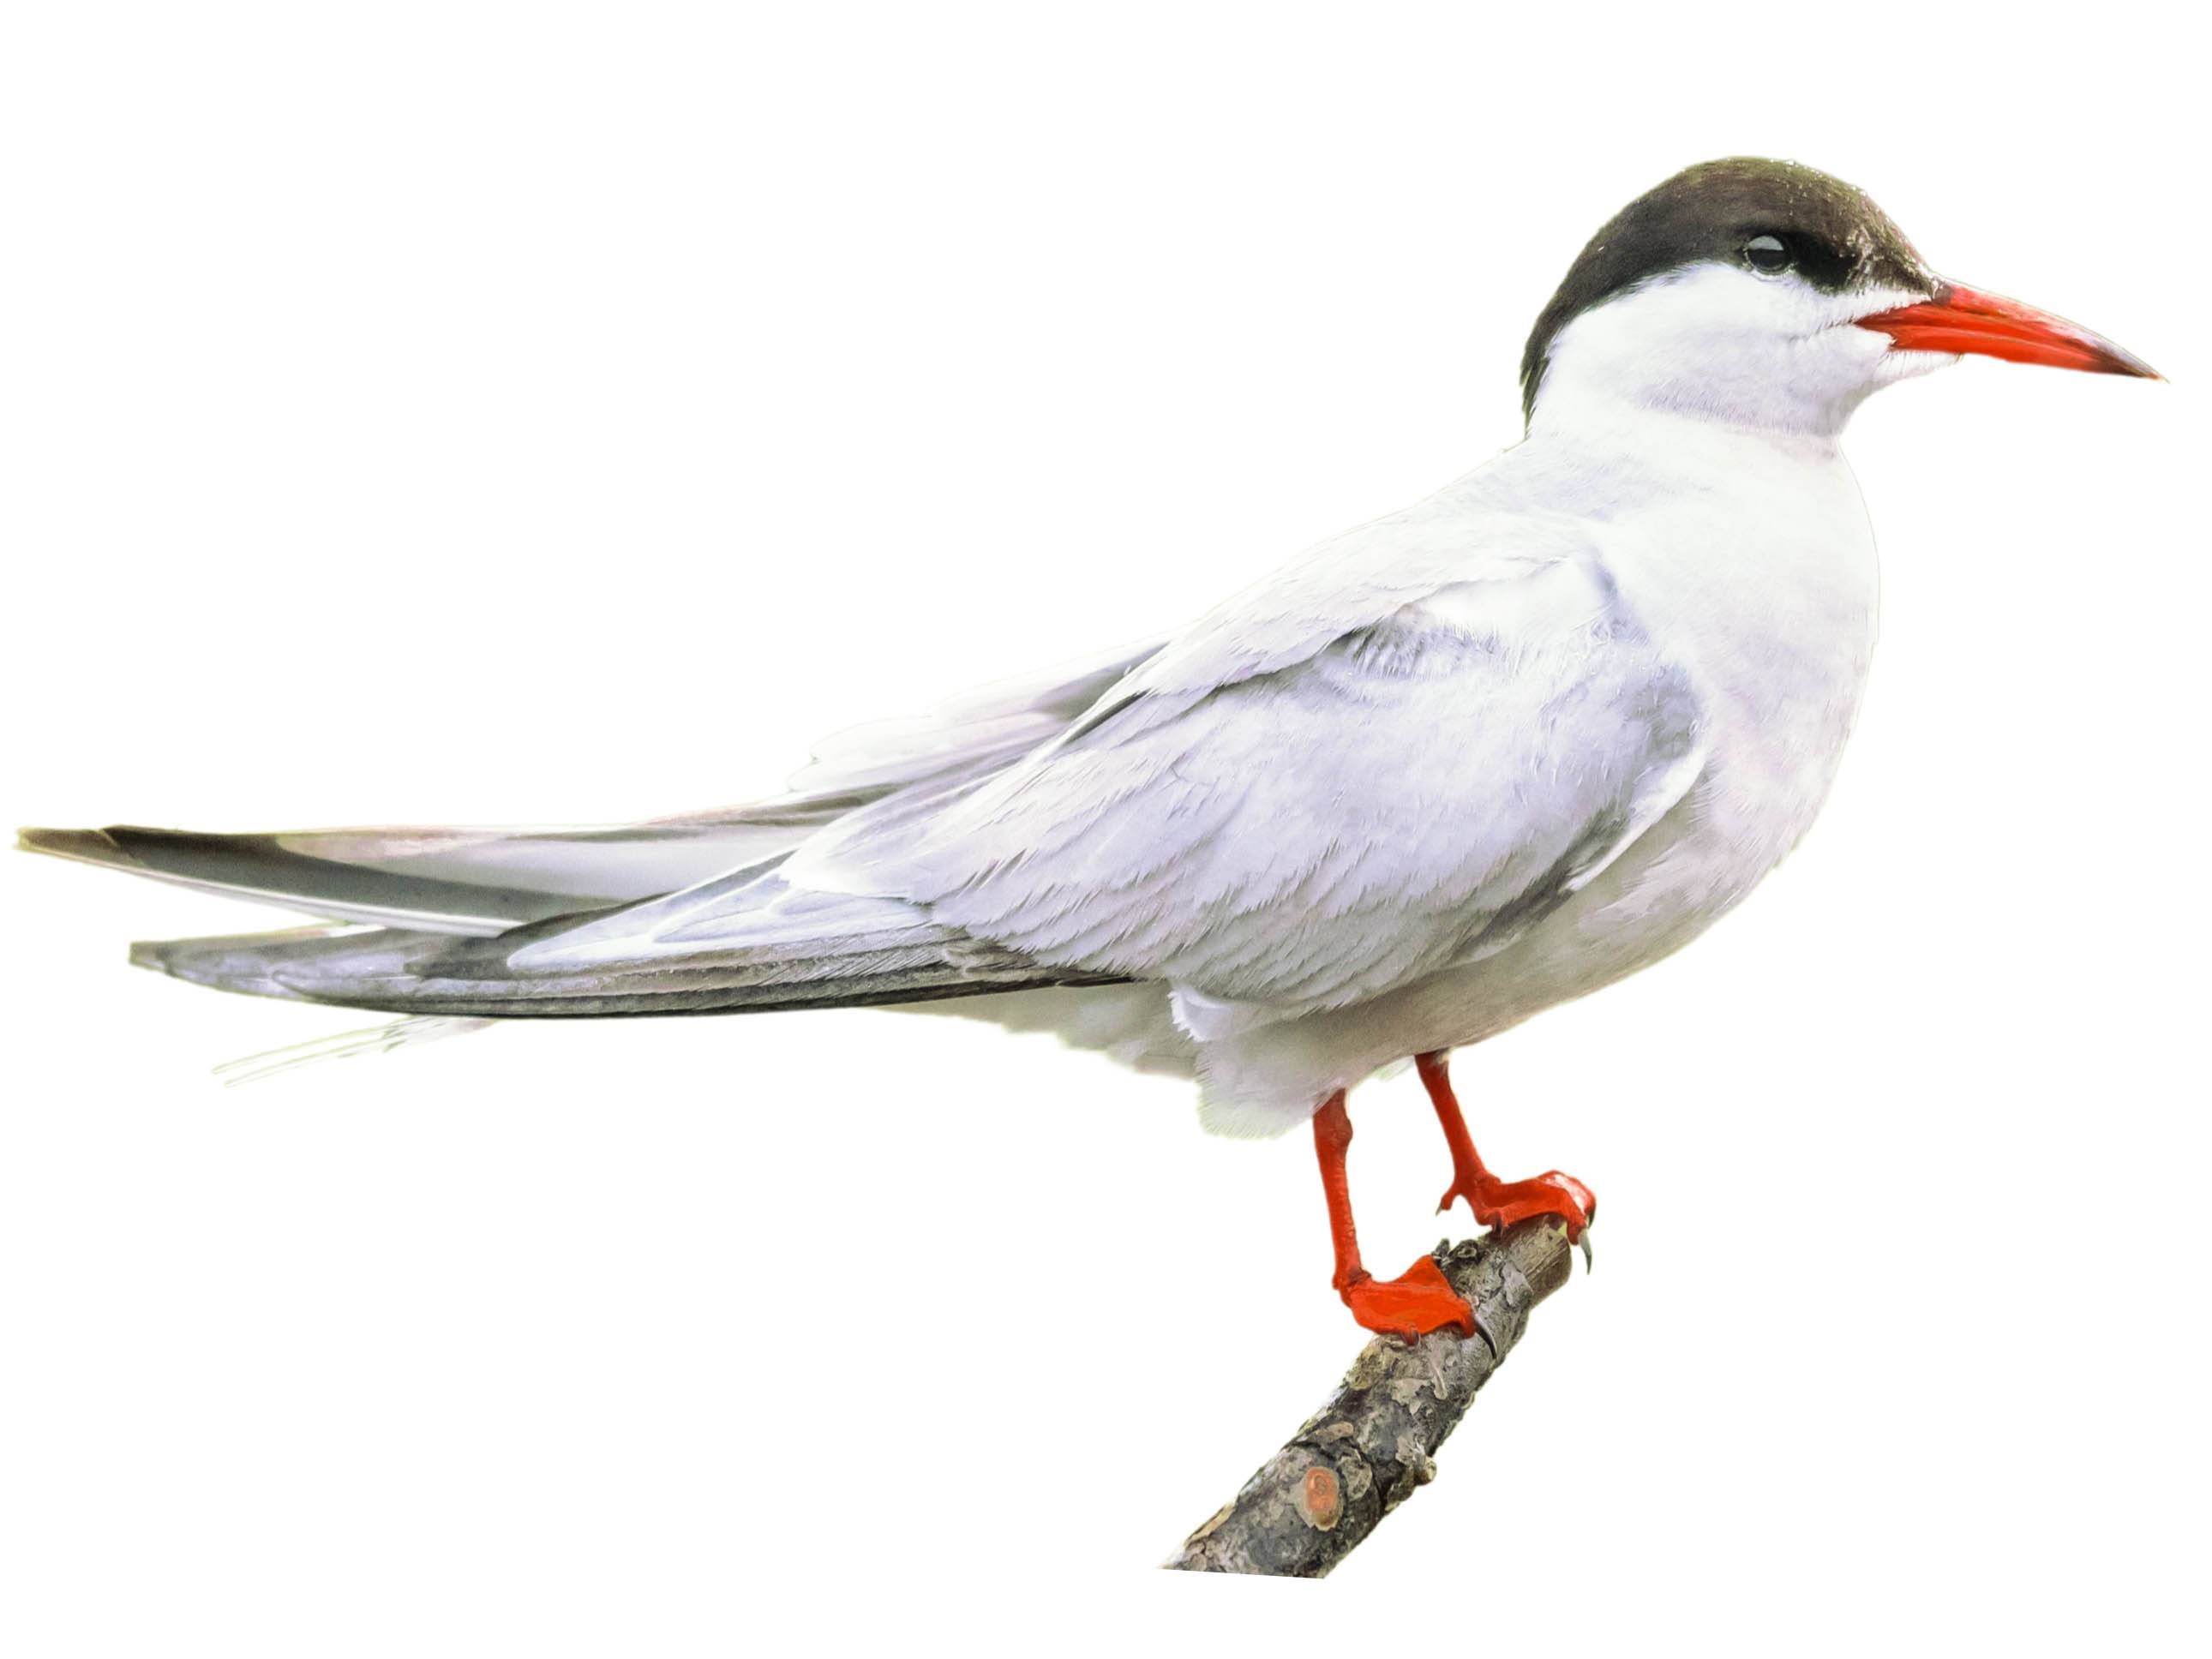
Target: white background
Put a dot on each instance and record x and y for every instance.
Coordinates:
(548, 414)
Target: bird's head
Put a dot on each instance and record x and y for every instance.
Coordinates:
(1766, 294)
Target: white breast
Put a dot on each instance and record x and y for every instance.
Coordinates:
(1765, 585)
(1753, 563)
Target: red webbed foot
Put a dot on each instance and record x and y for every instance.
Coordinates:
(1418, 1300)
(1501, 1203)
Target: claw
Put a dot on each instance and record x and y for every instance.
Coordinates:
(1589, 1256)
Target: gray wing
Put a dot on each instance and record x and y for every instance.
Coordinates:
(1303, 826)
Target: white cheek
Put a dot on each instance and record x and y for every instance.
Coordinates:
(1724, 312)
(1727, 343)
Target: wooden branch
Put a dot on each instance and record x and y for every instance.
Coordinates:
(1366, 1451)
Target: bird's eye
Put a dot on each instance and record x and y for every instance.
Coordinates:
(1766, 255)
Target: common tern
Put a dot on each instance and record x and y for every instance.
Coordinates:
(1441, 773)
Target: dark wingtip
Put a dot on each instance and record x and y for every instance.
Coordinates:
(86, 846)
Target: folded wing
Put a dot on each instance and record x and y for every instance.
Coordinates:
(1307, 825)
(1394, 756)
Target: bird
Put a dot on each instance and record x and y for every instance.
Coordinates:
(1452, 768)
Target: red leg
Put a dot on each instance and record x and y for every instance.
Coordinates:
(1419, 1300)
(1498, 1203)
